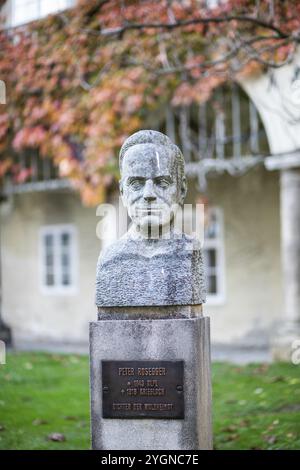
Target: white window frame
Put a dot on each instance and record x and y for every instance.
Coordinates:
(12, 7)
(56, 231)
(217, 244)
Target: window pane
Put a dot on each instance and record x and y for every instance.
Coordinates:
(65, 258)
(65, 239)
(212, 228)
(49, 280)
(210, 258)
(57, 259)
(213, 253)
(49, 240)
(66, 280)
(49, 260)
(212, 284)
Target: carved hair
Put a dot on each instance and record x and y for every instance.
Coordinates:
(153, 137)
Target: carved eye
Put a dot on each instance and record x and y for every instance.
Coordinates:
(163, 182)
(136, 184)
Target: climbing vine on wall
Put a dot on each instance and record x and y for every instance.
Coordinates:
(79, 82)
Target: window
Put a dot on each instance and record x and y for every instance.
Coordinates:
(23, 11)
(58, 258)
(213, 251)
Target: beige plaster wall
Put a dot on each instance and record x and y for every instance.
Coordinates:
(253, 302)
(32, 315)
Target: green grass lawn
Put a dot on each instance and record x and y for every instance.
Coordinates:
(255, 407)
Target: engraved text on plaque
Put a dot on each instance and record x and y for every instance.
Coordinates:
(143, 389)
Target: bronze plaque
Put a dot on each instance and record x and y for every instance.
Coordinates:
(143, 389)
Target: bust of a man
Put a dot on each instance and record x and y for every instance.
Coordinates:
(153, 264)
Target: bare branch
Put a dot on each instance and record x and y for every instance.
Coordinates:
(194, 21)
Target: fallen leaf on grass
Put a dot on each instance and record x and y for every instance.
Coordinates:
(71, 418)
(244, 423)
(242, 402)
(270, 439)
(82, 424)
(231, 437)
(56, 358)
(230, 428)
(276, 378)
(38, 422)
(289, 408)
(56, 437)
(262, 369)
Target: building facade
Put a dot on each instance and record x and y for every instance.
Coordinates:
(242, 256)
(242, 153)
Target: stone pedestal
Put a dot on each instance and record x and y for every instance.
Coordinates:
(150, 348)
(171, 336)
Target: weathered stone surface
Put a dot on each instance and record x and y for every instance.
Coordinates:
(149, 313)
(153, 264)
(173, 339)
(151, 272)
(149, 293)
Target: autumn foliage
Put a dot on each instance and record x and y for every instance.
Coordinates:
(79, 82)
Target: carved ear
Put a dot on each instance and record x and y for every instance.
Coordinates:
(121, 187)
(183, 189)
(122, 193)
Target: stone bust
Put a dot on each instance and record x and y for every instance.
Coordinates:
(153, 264)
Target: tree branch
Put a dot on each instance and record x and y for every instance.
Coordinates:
(181, 24)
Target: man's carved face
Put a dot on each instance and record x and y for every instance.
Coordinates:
(150, 187)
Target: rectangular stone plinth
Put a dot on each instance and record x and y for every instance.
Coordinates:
(144, 369)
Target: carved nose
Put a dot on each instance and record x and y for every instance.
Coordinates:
(149, 194)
